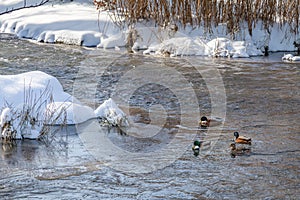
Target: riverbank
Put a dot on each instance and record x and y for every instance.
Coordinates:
(262, 103)
(79, 23)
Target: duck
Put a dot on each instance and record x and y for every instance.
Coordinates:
(241, 139)
(196, 147)
(204, 121)
(242, 151)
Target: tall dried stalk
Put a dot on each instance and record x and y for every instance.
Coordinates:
(209, 13)
(34, 115)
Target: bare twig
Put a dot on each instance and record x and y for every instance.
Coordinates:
(31, 6)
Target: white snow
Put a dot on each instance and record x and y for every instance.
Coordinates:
(32, 83)
(290, 58)
(79, 23)
(72, 113)
(30, 100)
(109, 111)
(5, 116)
(70, 23)
(117, 40)
(29, 94)
(219, 47)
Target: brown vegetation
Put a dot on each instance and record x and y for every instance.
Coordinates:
(209, 13)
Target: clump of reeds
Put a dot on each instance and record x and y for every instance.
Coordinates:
(209, 13)
(54, 116)
(33, 115)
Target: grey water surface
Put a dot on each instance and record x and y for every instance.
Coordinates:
(262, 102)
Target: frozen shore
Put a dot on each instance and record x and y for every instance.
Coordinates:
(79, 23)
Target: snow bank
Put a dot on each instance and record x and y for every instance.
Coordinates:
(13, 87)
(30, 100)
(70, 23)
(35, 98)
(219, 47)
(79, 23)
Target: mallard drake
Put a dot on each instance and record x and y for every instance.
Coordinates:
(196, 147)
(204, 122)
(241, 139)
(242, 151)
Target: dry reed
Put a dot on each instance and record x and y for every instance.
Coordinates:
(209, 13)
(35, 114)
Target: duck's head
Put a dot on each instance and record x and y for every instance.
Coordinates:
(203, 119)
(236, 134)
(197, 143)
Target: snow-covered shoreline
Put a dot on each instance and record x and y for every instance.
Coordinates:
(78, 23)
(34, 99)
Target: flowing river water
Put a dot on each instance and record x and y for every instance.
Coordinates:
(164, 99)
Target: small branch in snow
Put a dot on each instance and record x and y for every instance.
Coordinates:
(31, 6)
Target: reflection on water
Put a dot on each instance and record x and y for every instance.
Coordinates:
(263, 102)
(45, 152)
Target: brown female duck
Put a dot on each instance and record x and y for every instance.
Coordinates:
(241, 139)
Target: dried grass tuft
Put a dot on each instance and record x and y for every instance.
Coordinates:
(209, 13)
(34, 115)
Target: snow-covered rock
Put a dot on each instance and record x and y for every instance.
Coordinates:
(117, 40)
(30, 100)
(223, 47)
(290, 58)
(109, 111)
(178, 46)
(219, 47)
